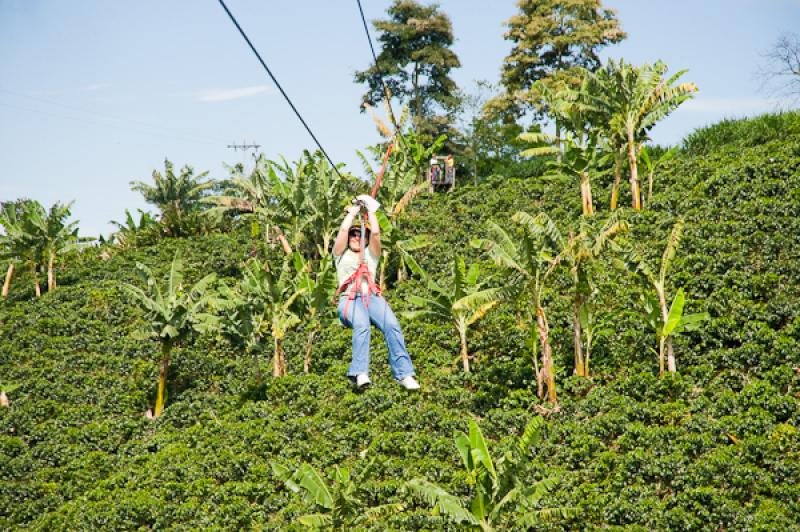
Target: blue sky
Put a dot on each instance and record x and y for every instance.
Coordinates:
(95, 94)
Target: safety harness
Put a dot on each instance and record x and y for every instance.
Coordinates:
(362, 272)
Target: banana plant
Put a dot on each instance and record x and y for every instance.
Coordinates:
(411, 155)
(55, 236)
(581, 254)
(317, 290)
(24, 239)
(127, 232)
(37, 236)
(263, 303)
(671, 321)
(243, 193)
(593, 326)
(528, 262)
(414, 155)
(288, 209)
(399, 185)
(173, 314)
(241, 322)
(632, 100)
(397, 190)
(462, 304)
(327, 195)
(651, 164)
(578, 160)
(248, 196)
(397, 250)
(341, 499)
(577, 154)
(17, 242)
(176, 196)
(501, 494)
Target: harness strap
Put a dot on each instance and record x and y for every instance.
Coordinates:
(354, 281)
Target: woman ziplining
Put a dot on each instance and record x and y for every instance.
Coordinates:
(356, 252)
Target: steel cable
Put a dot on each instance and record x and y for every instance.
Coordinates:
(286, 96)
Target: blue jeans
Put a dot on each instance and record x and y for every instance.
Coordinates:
(381, 316)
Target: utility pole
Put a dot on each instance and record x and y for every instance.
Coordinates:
(244, 146)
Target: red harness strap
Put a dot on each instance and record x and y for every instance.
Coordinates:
(355, 280)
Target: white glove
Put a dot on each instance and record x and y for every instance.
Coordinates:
(369, 202)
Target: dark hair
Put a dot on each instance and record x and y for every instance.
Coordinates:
(357, 230)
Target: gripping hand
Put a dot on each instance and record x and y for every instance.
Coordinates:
(369, 202)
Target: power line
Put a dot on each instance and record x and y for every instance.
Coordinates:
(288, 100)
(174, 133)
(95, 122)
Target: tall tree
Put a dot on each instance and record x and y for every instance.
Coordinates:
(550, 39)
(415, 63)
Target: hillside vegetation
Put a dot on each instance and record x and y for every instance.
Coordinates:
(714, 446)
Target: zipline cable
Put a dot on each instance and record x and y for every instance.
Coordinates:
(288, 100)
(386, 93)
(362, 272)
(366, 30)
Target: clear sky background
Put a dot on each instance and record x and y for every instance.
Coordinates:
(95, 94)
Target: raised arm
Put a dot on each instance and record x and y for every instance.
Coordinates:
(375, 234)
(340, 244)
(372, 205)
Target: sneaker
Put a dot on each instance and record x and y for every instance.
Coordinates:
(362, 380)
(409, 383)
